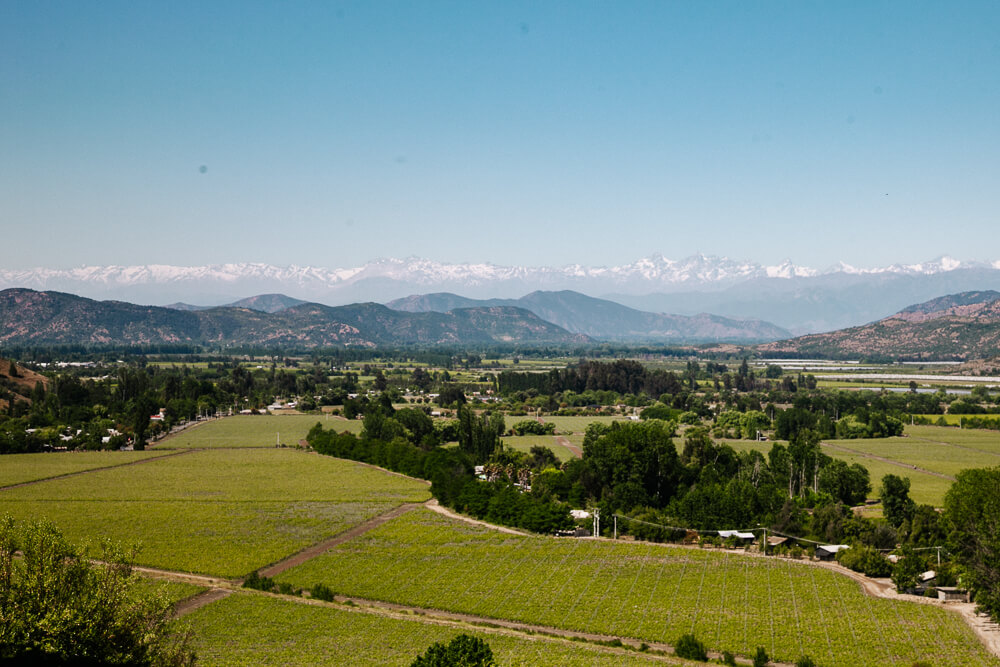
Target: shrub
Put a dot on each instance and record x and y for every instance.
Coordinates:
(321, 592)
(56, 603)
(728, 658)
(805, 661)
(689, 648)
(463, 650)
(760, 658)
(257, 582)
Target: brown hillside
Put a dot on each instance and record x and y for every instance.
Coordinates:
(21, 383)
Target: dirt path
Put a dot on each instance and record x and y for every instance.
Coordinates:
(326, 545)
(564, 441)
(180, 452)
(885, 460)
(435, 506)
(188, 605)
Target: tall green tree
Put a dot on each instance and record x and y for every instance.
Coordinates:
(972, 509)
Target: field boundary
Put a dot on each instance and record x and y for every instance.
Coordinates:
(315, 550)
(908, 466)
(177, 452)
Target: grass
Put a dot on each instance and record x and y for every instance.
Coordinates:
(645, 591)
(254, 629)
(174, 591)
(20, 468)
(578, 424)
(524, 443)
(218, 512)
(924, 488)
(934, 448)
(248, 431)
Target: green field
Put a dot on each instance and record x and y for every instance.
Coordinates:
(250, 431)
(924, 488)
(524, 443)
(577, 424)
(220, 512)
(645, 591)
(19, 468)
(246, 629)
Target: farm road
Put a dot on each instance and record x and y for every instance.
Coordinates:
(847, 450)
(180, 452)
(564, 441)
(326, 545)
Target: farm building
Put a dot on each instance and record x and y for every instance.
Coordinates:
(952, 594)
(829, 551)
(744, 538)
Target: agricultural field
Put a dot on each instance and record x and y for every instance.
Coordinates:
(218, 512)
(249, 431)
(577, 424)
(262, 630)
(644, 591)
(524, 443)
(943, 454)
(981, 439)
(924, 488)
(20, 468)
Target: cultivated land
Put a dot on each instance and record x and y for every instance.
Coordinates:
(643, 591)
(21, 468)
(219, 512)
(250, 431)
(226, 511)
(282, 632)
(524, 443)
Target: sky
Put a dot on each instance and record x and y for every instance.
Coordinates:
(330, 134)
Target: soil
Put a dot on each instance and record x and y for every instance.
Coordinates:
(564, 441)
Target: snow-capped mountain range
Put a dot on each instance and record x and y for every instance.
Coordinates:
(700, 283)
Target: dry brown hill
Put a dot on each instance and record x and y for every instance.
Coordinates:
(19, 383)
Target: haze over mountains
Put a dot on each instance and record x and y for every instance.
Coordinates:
(800, 299)
(606, 320)
(958, 326)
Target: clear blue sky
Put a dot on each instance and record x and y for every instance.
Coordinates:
(510, 132)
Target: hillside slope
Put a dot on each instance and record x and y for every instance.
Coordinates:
(955, 327)
(27, 316)
(607, 320)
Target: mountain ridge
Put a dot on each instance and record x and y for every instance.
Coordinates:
(606, 320)
(33, 317)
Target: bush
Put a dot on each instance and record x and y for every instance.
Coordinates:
(689, 648)
(321, 592)
(56, 604)
(760, 658)
(728, 658)
(257, 582)
(462, 651)
(805, 661)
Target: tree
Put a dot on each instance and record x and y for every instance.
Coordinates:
(689, 648)
(57, 608)
(972, 509)
(462, 651)
(897, 506)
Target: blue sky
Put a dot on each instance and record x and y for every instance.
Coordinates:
(516, 133)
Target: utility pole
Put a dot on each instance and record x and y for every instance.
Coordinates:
(615, 517)
(597, 522)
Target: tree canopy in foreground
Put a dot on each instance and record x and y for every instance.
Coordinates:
(59, 608)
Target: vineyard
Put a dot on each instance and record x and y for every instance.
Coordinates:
(278, 632)
(20, 468)
(220, 512)
(251, 431)
(644, 591)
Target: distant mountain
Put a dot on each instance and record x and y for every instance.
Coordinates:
(27, 317)
(960, 326)
(264, 303)
(606, 320)
(798, 298)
